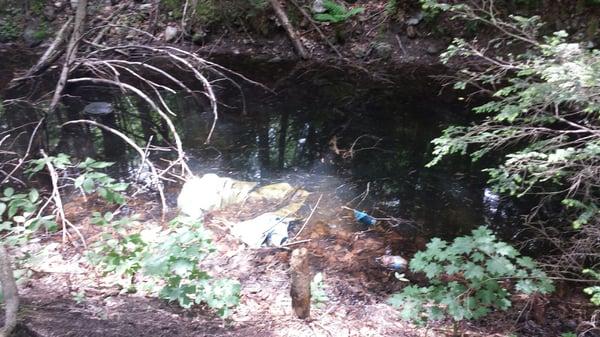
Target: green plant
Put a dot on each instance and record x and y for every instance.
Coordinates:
(37, 7)
(391, 7)
(9, 29)
(468, 278)
(568, 334)
(19, 218)
(593, 291)
(168, 261)
(539, 130)
(318, 295)
(336, 12)
(89, 179)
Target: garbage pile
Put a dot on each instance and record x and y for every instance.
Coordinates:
(210, 192)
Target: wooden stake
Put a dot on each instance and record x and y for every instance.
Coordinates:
(300, 289)
(285, 22)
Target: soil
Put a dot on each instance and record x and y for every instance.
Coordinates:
(356, 286)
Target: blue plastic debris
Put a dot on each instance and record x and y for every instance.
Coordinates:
(364, 218)
(393, 262)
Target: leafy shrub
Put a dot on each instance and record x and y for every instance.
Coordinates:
(19, 218)
(468, 278)
(336, 12)
(89, 179)
(593, 291)
(168, 259)
(9, 29)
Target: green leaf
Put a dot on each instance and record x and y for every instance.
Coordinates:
(88, 185)
(79, 181)
(9, 191)
(473, 271)
(33, 195)
(499, 266)
(2, 208)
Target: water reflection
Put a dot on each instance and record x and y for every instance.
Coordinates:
(318, 132)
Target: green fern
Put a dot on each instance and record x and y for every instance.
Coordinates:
(336, 12)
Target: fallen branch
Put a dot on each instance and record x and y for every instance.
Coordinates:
(71, 51)
(58, 202)
(50, 56)
(307, 219)
(285, 22)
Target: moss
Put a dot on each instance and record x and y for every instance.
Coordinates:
(42, 31)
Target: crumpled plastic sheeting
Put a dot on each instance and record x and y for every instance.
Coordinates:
(211, 192)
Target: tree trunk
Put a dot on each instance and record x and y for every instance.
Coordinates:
(10, 293)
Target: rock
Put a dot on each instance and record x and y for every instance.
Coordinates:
(171, 33)
(74, 3)
(434, 48)
(33, 34)
(98, 108)
(146, 7)
(50, 13)
(318, 7)
(411, 32)
(382, 50)
(360, 50)
(415, 19)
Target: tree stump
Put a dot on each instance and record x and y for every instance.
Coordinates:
(300, 283)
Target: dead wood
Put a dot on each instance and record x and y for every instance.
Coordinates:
(285, 22)
(78, 26)
(10, 293)
(50, 56)
(300, 283)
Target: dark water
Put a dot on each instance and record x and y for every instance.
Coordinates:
(326, 129)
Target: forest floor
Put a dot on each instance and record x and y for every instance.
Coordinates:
(65, 295)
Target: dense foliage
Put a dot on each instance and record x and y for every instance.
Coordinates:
(168, 260)
(468, 278)
(542, 118)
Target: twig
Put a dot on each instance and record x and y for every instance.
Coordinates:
(400, 44)
(58, 201)
(307, 219)
(22, 159)
(135, 147)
